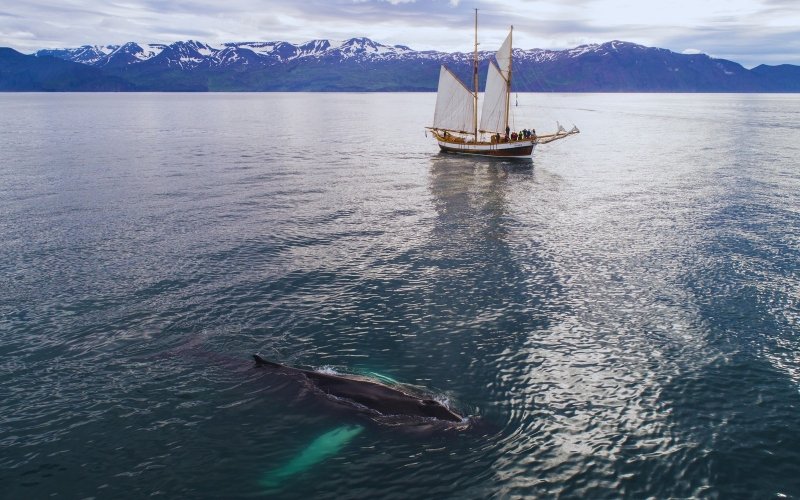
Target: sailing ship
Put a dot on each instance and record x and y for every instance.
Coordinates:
(455, 122)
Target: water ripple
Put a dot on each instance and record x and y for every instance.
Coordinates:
(617, 318)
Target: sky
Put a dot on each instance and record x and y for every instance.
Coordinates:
(750, 32)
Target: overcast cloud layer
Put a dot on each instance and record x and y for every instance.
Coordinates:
(750, 32)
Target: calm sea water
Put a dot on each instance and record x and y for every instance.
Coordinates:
(618, 318)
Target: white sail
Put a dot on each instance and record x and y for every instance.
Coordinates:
(495, 103)
(504, 57)
(456, 112)
(455, 105)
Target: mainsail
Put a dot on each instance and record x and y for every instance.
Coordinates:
(494, 112)
(504, 57)
(455, 105)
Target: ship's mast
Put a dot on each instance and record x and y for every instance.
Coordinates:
(475, 76)
(508, 82)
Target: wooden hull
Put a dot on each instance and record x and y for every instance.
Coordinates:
(516, 149)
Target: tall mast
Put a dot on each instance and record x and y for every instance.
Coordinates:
(508, 82)
(475, 76)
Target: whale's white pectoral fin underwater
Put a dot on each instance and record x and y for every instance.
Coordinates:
(326, 445)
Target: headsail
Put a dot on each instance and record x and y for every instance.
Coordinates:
(455, 105)
(495, 102)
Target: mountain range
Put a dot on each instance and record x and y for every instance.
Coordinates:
(361, 64)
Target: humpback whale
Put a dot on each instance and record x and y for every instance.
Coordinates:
(368, 393)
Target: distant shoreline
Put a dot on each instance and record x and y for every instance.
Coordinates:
(795, 92)
(361, 65)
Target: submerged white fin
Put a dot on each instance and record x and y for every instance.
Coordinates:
(321, 448)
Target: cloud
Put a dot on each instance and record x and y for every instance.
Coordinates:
(747, 31)
(747, 45)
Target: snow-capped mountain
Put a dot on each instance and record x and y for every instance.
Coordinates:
(101, 55)
(85, 54)
(193, 54)
(365, 65)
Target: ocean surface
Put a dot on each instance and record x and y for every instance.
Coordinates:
(618, 317)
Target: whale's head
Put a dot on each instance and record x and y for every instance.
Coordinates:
(435, 409)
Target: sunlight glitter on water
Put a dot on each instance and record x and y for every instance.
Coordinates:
(616, 318)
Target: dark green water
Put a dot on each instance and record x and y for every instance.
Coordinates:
(618, 318)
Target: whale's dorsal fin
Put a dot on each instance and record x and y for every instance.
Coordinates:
(261, 361)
